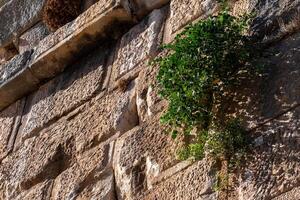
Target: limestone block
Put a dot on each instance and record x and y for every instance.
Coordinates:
(140, 156)
(259, 99)
(56, 155)
(16, 17)
(274, 165)
(12, 171)
(195, 182)
(32, 37)
(9, 121)
(103, 189)
(183, 12)
(92, 176)
(15, 79)
(138, 45)
(274, 20)
(60, 48)
(79, 83)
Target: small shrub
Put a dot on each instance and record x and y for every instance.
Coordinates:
(203, 60)
(59, 12)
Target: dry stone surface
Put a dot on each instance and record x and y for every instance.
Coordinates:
(139, 44)
(32, 37)
(16, 17)
(79, 83)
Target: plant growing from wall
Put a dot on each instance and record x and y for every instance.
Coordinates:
(203, 60)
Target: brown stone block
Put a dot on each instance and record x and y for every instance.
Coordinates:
(16, 17)
(138, 45)
(78, 84)
(183, 12)
(195, 182)
(141, 155)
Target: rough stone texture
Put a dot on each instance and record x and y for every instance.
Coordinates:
(68, 42)
(141, 155)
(275, 166)
(193, 183)
(81, 81)
(17, 16)
(9, 120)
(183, 12)
(293, 194)
(139, 44)
(32, 37)
(17, 64)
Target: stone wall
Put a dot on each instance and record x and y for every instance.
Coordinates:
(80, 112)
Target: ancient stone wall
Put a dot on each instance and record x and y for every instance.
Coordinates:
(80, 112)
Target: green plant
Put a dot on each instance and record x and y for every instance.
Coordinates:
(203, 60)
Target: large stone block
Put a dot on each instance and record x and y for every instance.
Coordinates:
(62, 47)
(183, 12)
(139, 44)
(274, 20)
(195, 182)
(79, 83)
(141, 155)
(17, 16)
(59, 154)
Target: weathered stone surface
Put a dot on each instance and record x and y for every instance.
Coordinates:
(139, 44)
(32, 37)
(60, 48)
(12, 68)
(275, 165)
(196, 182)
(274, 19)
(40, 191)
(79, 83)
(149, 104)
(141, 155)
(293, 194)
(58, 153)
(9, 121)
(15, 79)
(183, 12)
(17, 16)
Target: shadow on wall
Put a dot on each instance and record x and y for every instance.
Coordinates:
(270, 107)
